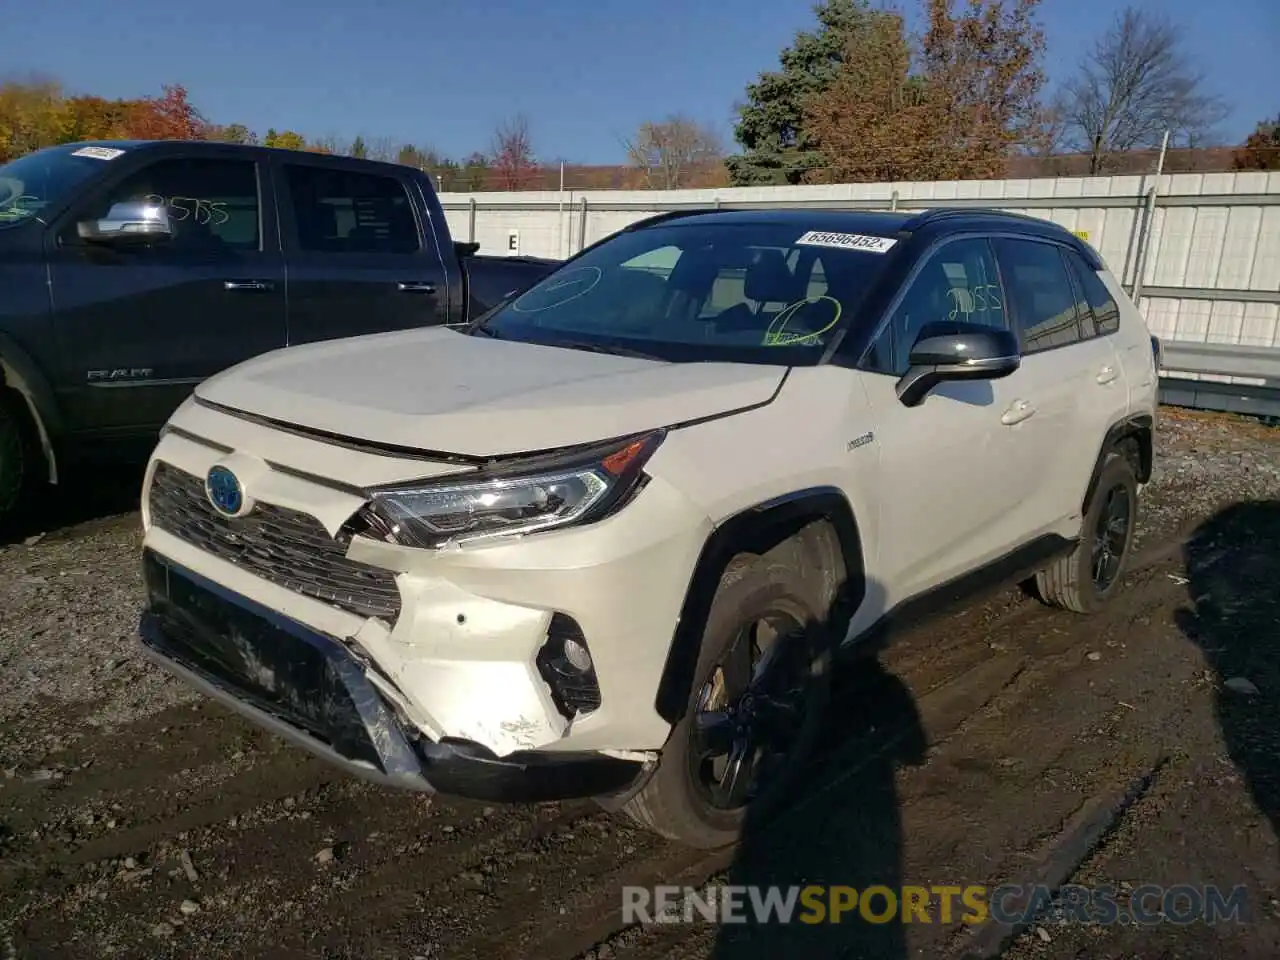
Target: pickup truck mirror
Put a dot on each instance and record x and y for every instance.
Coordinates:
(466, 248)
(947, 352)
(133, 221)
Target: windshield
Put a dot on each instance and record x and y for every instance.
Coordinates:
(32, 182)
(765, 292)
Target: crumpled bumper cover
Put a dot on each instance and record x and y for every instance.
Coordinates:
(310, 689)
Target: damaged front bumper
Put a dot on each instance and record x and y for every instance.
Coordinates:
(308, 687)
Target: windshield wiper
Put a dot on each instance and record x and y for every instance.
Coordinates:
(606, 348)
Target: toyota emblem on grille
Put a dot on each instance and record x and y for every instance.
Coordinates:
(224, 491)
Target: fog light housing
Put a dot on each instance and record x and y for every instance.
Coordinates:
(565, 663)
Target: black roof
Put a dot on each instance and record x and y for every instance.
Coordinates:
(879, 222)
(866, 221)
(159, 145)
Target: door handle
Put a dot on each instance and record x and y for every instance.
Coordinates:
(248, 285)
(1018, 411)
(413, 286)
(1107, 374)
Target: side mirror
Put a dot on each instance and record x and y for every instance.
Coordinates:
(956, 351)
(130, 222)
(466, 248)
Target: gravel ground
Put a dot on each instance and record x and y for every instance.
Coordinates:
(139, 820)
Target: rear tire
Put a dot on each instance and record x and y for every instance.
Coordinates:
(677, 801)
(1086, 579)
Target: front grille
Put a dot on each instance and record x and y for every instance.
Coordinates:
(285, 547)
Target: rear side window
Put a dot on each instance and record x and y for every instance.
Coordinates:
(343, 211)
(1040, 291)
(1105, 317)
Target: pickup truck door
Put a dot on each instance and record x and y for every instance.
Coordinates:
(138, 327)
(361, 258)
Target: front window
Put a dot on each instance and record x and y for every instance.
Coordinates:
(735, 292)
(33, 182)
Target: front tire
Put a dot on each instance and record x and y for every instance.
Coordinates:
(17, 461)
(1086, 579)
(760, 693)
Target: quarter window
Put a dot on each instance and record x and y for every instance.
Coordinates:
(1105, 313)
(1040, 292)
(958, 283)
(212, 204)
(342, 211)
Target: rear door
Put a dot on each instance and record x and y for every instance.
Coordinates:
(1073, 380)
(354, 243)
(138, 327)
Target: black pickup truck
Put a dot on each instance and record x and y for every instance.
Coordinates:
(130, 271)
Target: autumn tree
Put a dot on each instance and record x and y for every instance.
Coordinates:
(511, 162)
(284, 140)
(672, 152)
(231, 133)
(1136, 82)
(32, 116)
(170, 116)
(870, 123)
(1261, 151)
(957, 110)
(777, 146)
(983, 80)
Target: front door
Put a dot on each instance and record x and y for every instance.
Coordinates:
(952, 471)
(357, 259)
(138, 327)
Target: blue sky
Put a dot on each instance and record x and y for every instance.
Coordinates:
(585, 72)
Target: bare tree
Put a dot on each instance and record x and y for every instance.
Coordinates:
(512, 165)
(670, 152)
(1136, 83)
(382, 148)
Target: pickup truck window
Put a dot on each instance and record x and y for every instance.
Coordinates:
(772, 293)
(212, 204)
(341, 211)
(32, 182)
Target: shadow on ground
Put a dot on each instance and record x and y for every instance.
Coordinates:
(88, 494)
(846, 831)
(1233, 571)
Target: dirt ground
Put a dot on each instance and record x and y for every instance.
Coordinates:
(1006, 743)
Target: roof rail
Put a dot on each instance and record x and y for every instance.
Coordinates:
(933, 214)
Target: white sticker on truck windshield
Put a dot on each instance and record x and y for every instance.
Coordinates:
(98, 153)
(847, 241)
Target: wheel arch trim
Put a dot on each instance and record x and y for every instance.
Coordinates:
(1137, 427)
(765, 523)
(18, 372)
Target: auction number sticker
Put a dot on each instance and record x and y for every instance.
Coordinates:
(846, 241)
(98, 153)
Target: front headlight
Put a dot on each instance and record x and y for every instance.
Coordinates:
(513, 498)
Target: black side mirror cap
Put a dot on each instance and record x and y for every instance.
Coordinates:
(946, 352)
(466, 248)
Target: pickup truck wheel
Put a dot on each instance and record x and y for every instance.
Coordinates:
(1083, 581)
(17, 460)
(759, 697)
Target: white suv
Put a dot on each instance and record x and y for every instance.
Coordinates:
(607, 540)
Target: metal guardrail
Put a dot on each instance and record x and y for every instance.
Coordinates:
(1181, 358)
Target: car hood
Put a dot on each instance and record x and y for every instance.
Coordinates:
(440, 390)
